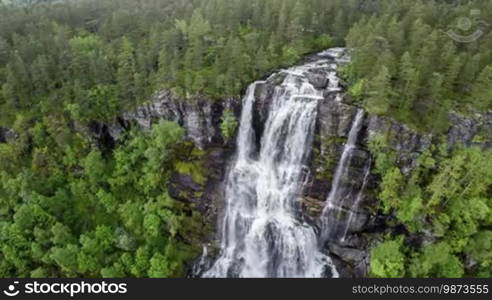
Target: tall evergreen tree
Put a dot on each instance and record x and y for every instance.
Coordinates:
(451, 75)
(125, 75)
(380, 93)
(409, 77)
(482, 90)
(469, 73)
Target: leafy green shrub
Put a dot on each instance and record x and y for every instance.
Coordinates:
(388, 259)
(228, 124)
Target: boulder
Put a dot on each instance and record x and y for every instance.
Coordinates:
(318, 79)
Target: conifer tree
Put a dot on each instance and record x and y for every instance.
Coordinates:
(126, 73)
(409, 77)
(380, 93)
(451, 75)
(482, 90)
(295, 28)
(469, 73)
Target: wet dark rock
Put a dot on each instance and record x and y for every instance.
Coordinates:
(358, 221)
(212, 202)
(7, 135)
(317, 189)
(183, 187)
(312, 206)
(349, 255)
(277, 78)
(263, 95)
(318, 79)
(101, 134)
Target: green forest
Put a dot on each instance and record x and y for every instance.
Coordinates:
(70, 208)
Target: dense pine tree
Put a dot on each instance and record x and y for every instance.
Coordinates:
(379, 93)
(482, 90)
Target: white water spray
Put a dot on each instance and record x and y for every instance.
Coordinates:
(262, 235)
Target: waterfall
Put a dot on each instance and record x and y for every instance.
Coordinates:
(367, 172)
(262, 234)
(342, 166)
(332, 228)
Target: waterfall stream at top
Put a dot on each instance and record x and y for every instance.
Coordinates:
(262, 233)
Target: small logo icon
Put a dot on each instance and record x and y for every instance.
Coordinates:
(463, 29)
(11, 291)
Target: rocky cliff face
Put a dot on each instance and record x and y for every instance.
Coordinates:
(200, 117)
(201, 120)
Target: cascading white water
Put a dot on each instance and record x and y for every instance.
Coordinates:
(342, 166)
(367, 172)
(262, 235)
(330, 225)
